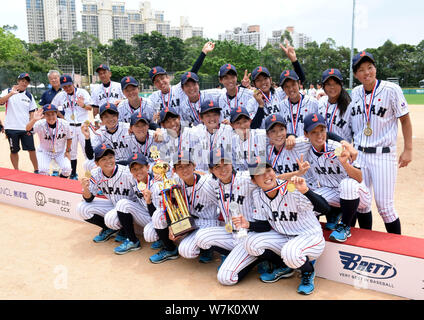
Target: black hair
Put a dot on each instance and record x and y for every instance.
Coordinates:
(344, 98)
(169, 115)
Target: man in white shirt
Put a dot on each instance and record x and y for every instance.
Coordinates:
(20, 106)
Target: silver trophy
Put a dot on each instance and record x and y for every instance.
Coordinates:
(242, 232)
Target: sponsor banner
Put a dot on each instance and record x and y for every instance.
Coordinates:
(52, 201)
(364, 268)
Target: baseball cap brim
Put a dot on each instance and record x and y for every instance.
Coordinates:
(362, 59)
(331, 76)
(211, 109)
(288, 78)
(103, 152)
(270, 125)
(313, 126)
(238, 115)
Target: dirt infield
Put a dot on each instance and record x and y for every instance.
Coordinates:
(48, 257)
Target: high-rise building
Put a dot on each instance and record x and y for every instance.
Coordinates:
(248, 35)
(299, 39)
(51, 19)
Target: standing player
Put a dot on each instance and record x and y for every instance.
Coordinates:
(334, 105)
(107, 91)
(20, 106)
(296, 238)
(75, 103)
(340, 182)
(55, 140)
(134, 103)
(296, 106)
(376, 107)
(116, 183)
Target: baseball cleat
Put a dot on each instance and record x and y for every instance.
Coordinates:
(341, 233)
(277, 274)
(206, 256)
(157, 245)
(127, 246)
(265, 267)
(73, 177)
(164, 255)
(104, 235)
(332, 223)
(307, 283)
(120, 237)
(55, 173)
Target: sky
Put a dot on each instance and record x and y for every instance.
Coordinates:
(375, 20)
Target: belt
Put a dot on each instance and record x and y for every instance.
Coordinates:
(374, 150)
(75, 124)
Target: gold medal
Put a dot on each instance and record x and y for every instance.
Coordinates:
(368, 131)
(291, 187)
(73, 117)
(87, 122)
(53, 150)
(338, 151)
(88, 174)
(229, 228)
(141, 186)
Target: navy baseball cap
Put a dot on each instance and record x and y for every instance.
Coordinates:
(103, 66)
(138, 116)
(327, 74)
(236, 113)
(183, 156)
(108, 107)
(258, 165)
(208, 105)
(101, 149)
(49, 107)
(313, 120)
(189, 76)
(137, 158)
(166, 111)
(360, 56)
(126, 81)
(218, 154)
(24, 75)
(155, 71)
(288, 74)
(66, 80)
(273, 119)
(260, 70)
(226, 68)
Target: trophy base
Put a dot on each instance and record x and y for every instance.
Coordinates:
(183, 226)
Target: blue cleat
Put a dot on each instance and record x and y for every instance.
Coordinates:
(265, 267)
(127, 246)
(104, 235)
(341, 233)
(120, 237)
(206, 256)
(333, 222)
(164, 255)
(73, 177)
(158, 244)
(307, 283)
(277, 274)
(55, 173)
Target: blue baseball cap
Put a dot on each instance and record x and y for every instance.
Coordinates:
(189, 76)
(288, 74)
(327, 74)
(360, 56)
(126, 81)
(108, 107)
(137, 158)
(103, 66)
(208, 105)
(138, 116)
(274, 119)
(218, 154)
(227, 68)
(24, 75)
(66, 80)
(155, 71)
(258, 165)
(183, 156)
(49, 107)
(237, 113)
(260, 70)
(101, 149)
(313, 120)
(166, 111)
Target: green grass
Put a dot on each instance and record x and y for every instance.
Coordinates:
(415, 98)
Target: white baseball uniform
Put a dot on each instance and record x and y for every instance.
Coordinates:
(52, 145)
(126, 110)
(143, 147)
(228, 103)
(246, 151)
(110, 94)
(379, 169)
(171, 99)
(190, 111)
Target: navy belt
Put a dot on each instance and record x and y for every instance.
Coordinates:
(374, 150)
(75, 124)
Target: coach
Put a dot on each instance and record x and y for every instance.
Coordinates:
(48, 95)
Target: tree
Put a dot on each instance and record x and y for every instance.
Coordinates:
(10, 46)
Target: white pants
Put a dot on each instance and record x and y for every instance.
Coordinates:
(86, 210)
(78, 137)
(45, 158)
(140, 214)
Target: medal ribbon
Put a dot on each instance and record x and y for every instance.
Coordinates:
(294, 120)
(222, 197)
(107, 179)
(327, 154)
(277, 156)
(236, 100)
(268, 100)
(330, 125)
(54, 135)
(141, 106)
(169, 98)
(281, 187)
(367, 107)
(193, 194)
(194, 111)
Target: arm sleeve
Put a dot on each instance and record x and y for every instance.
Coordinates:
(151, 207)
(319, 203)
(198, 63)
(298, 69)
(88, 149)
(89, 199)
(333, 136)
(257, 119)
(260, 226)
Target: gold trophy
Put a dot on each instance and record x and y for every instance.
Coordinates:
(180, 220)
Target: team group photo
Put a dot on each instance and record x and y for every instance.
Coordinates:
(252, 181)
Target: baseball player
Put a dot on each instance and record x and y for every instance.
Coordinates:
(171, 96)
(296, 106)
(55, 140)
(107, 91)
(286, 230)
(116, 183)
(75, 103)
(234, 193)
(20, 106)
(376, 107)
(113, 133)
(340, 181)
(334, 105)
(133, 102)
(201, 204)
